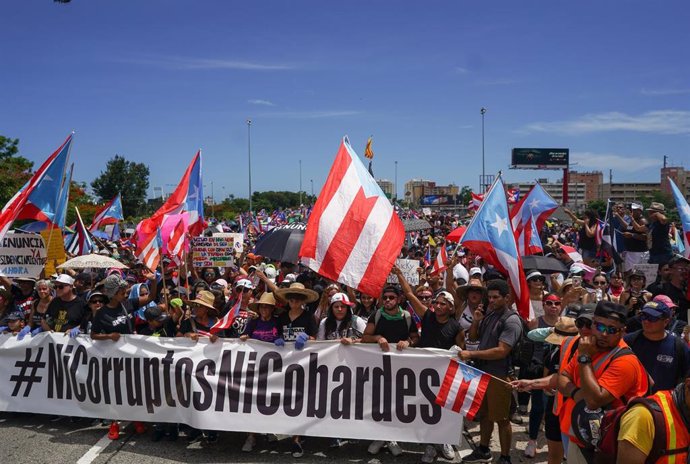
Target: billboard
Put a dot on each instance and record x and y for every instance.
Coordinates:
(428, 200)
(539, 158)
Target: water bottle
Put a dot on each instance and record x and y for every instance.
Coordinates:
(599, 295)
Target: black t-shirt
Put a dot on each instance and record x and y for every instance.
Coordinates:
(437, 335)
(63, 315)
(110, 320)
(168, 329)
(305, 322)
(187, 327)
(393, 330)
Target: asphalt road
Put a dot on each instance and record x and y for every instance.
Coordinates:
(40, 438)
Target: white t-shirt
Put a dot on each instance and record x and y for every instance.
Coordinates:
(356, 329)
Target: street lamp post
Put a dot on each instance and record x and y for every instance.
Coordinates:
(249, 157)
(300, 182)
(312, 188)
(395, 195)
(213, 202)
(482, 184)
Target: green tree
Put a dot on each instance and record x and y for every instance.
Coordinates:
(127, 177)
(79, 197)
(14, 170)
(465, 195)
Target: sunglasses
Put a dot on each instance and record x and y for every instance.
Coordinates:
(580, 323)
(60, 287)
(243, 289)
(599, 282)
(427, 297)
(649, 317)
(390, 297)
(606, 329)
(97, 301)
(552, 303)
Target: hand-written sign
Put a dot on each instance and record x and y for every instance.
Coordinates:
(216, 251)
(650, 271)
(22, 255)
(238, 240)
(55, 250)
(409, 269)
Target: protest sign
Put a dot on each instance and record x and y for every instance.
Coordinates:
(238, 240)
(426, 211)
(55, 250)
(409, 270)
(215, 251)
(650, 271)
(326, 390)
(22, 255)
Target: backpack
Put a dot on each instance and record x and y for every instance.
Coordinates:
(607, 448)
(678, 350)
(521, 354)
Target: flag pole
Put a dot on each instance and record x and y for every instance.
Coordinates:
(492, 376)
(164, 290)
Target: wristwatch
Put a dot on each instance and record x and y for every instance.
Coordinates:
(584, 359)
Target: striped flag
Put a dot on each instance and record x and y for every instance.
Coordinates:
(528, 217)
(440, 261)
(81, 243)
(477, 199)
(176, 242)
(353, 235)
(463, 389)
(109, 214)
(368, 152)
(226, 321)
(150, 253)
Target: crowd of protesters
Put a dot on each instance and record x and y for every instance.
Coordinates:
(601, 336)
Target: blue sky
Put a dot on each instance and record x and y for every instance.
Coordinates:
(156, 80)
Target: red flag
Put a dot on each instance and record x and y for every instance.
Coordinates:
(463, 389)
(226, 321)
(353, 235)
(440, 261)
(150, 253)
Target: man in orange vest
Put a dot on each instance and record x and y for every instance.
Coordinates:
(605, 373)
(639, 439)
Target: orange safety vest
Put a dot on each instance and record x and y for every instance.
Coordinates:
(677, 434)
(566, 348)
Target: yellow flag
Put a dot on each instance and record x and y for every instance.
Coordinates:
(368, 152)
(431, 241)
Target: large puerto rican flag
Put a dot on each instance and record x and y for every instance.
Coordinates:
(38, 198)
(684, 213)
(528, 217)
(490, 235)
(109, 214)
(353, 235)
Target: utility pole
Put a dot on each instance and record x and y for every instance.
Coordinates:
(249, 157)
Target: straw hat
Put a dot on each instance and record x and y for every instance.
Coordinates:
(565, 327)
(462, 290)
(204, 298)
(297, 288)
(266, 299)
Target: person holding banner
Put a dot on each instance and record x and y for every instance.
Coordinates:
(37, 317)
(340, 323)
(66, 312)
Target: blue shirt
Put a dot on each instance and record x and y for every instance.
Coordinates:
(659, 358)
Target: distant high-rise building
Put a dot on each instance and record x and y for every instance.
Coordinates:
(680, 176)
(415, 189)
(387, 187)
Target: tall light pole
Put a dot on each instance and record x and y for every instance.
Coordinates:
(482, 184)
(300, 182)
(312, 188)
(213, 202)
(249, 157)
(395, 195)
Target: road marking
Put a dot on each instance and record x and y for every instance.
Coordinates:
(100, 445)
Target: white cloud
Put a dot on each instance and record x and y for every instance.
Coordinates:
(461, 70)
(177, 62)
(619, 163)
(261, 102)
(310, 114)
(664, 92)
(657, 122)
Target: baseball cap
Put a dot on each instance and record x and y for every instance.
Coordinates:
(460, 272)
(65, 279)
(246, 283)
(154, 313)
(476, 270)
(15, 316)
(535, 275)
(635, 206)
(656, 309)
(587, 311)
(220, 283)
(665, 300)
(446, 296)
(611, 310)
(271, 273)
(289, 278)
(341, 297)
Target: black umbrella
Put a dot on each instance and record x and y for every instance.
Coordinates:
(545, 264)
(282, 243)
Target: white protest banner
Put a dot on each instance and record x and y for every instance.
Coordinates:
(409, 269)
(328, 389)
(215, 251)
(22, 255)
(650, 271)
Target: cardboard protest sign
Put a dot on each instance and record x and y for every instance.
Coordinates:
(237, 238)
(22, 255)
(409, 270)
(55, 246)
(650, 271)
(215, 251)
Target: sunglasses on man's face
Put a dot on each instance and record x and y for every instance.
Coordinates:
(649, 317)
(60, 287)
(97, 302)
(606, 329)
(552, 303)
(243, 289)
(581, 323)
(390, 297)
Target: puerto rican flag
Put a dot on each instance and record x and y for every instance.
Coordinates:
(81, 243)
(684, 213)
(109, 214)
(226, 321)
(463, 389)
(528, 217)
(490, 235)
(150, 253)
(176, 241)
(477, 199)
(440, 261)
(353, 235)
(513, 196)
(39, 197)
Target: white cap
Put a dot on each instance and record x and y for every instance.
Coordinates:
(476, 270)
(460, 272)
(65, 279)
(447, 296)
(341, 297)
(289, 278)
(246, 283)
(271, 273)
(222, 282)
